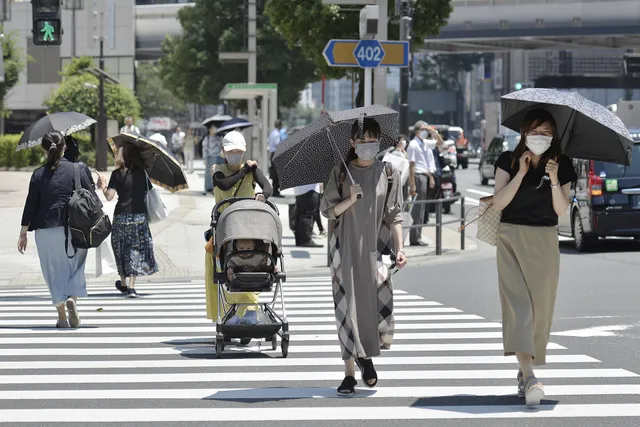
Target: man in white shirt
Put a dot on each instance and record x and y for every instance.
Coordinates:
(274, 140)
(421, 177)
(177, 141)
(129, 127)
(307, 204)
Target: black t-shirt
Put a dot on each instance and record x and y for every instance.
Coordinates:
(131, 186)
(531, 206)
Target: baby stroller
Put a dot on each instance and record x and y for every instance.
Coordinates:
(246, 219)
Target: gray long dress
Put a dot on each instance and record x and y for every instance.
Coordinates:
(362, 288)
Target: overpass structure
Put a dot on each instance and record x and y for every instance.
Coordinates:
(506, 25)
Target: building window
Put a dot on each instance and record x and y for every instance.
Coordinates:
(44, 63)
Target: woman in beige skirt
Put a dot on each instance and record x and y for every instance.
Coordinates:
(532, 191)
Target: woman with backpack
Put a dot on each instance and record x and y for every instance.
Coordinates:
(131, 236)
(45, 213)
(368, 215)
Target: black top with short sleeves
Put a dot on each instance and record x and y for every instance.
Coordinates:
(530, 206)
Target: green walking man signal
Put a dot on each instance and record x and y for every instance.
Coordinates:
(47, 22)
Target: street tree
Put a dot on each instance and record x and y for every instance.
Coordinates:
(14, 63)
(155, 99)
(78, 92)
(310, 24)
(192, 71)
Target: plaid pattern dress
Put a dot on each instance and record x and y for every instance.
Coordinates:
(361, 283)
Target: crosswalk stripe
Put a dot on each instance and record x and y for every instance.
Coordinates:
(212, 377)
(315, 413)
(204, 350)
(314, 392)
(267, 362)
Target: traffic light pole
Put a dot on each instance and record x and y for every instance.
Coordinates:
(405, 35)
(101, 144)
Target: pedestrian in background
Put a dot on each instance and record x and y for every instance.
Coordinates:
(317, 217)
(45, 212)
(129, 127)
(189, 150)
(421, 178)
(131, 236)
(274, 139)
(307, 206)
(532, 191)
(211, 153)
(177, 141)
(361, 283)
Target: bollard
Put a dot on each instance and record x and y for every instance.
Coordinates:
(462, 214)
(439, 228)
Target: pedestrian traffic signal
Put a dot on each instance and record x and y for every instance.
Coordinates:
(420, 112)
(47, 22)
(518, 86)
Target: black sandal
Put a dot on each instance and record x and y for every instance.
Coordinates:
(123, 289)
(348, 386)
(368, 371)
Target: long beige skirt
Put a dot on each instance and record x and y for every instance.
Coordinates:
(528, 272)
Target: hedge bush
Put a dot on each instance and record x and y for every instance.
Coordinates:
(10, 158)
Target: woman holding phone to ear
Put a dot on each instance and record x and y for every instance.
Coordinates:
(532, 191)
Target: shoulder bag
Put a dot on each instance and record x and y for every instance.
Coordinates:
(488, 221)
(155, 208)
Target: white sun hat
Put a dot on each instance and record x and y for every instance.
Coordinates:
(234, 140)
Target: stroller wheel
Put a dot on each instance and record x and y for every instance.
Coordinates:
(219, 346)
(245, 341)
(274, 342)
(285, 346)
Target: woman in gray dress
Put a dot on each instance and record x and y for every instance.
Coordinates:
(362, 289)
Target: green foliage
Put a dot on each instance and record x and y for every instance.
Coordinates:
(10, 158)
(310, 25)
(192, 71)
(74, 95)
(155, 99)
(14, 63)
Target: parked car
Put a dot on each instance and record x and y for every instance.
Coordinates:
(498, 145)
(605, 201)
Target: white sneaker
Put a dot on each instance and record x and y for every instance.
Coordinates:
(74, 317)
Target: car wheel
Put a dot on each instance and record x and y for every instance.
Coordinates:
(583, 241)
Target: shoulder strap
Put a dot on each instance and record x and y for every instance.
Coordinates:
(76, 177)
(235, 193)
(388, 169)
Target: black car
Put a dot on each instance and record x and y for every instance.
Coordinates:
(498, 145)
(605, 201)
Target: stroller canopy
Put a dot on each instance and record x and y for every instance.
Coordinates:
(249, 219)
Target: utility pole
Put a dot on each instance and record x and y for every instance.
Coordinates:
(406, 11)
(101, 143)
(73, 5)
(252, 65)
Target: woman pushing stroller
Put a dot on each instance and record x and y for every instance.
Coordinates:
(369, 212)
(234, 178)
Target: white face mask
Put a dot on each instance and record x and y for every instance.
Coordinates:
(402, 145)
(538, 144)
(424, 134)
(367, 150)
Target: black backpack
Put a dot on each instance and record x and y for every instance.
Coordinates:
(88, 224)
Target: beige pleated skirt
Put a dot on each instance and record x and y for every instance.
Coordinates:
(528, 271)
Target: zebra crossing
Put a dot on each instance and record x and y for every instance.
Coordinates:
(152, 360)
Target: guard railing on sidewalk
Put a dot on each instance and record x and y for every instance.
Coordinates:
(438, 224)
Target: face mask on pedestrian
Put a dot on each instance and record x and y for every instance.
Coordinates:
(538, 144)
(402, 144)
(424, 134)
(234, 159)
(367, 150)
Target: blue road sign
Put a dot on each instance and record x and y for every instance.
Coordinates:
(369, 53)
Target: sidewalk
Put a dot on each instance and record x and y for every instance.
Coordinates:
(178, 240)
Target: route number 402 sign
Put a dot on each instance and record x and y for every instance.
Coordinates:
(369, 53)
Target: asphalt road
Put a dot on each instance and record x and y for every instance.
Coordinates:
(151, 361)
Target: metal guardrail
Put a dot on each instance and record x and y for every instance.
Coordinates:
(438, 224)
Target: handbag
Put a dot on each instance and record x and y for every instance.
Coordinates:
(155, 208)
(488, 221)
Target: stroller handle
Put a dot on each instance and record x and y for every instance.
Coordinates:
(231, 200)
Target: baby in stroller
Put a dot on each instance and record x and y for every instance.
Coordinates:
(249, 255)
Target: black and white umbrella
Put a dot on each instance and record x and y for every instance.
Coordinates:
(309, 155)
(216, 120)
(66, 122)
(587, 130)
(163, 167)
(234, 124)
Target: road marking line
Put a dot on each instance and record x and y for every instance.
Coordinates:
(279, 362)
(199, 350)
(206, 377)
(478, 192)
